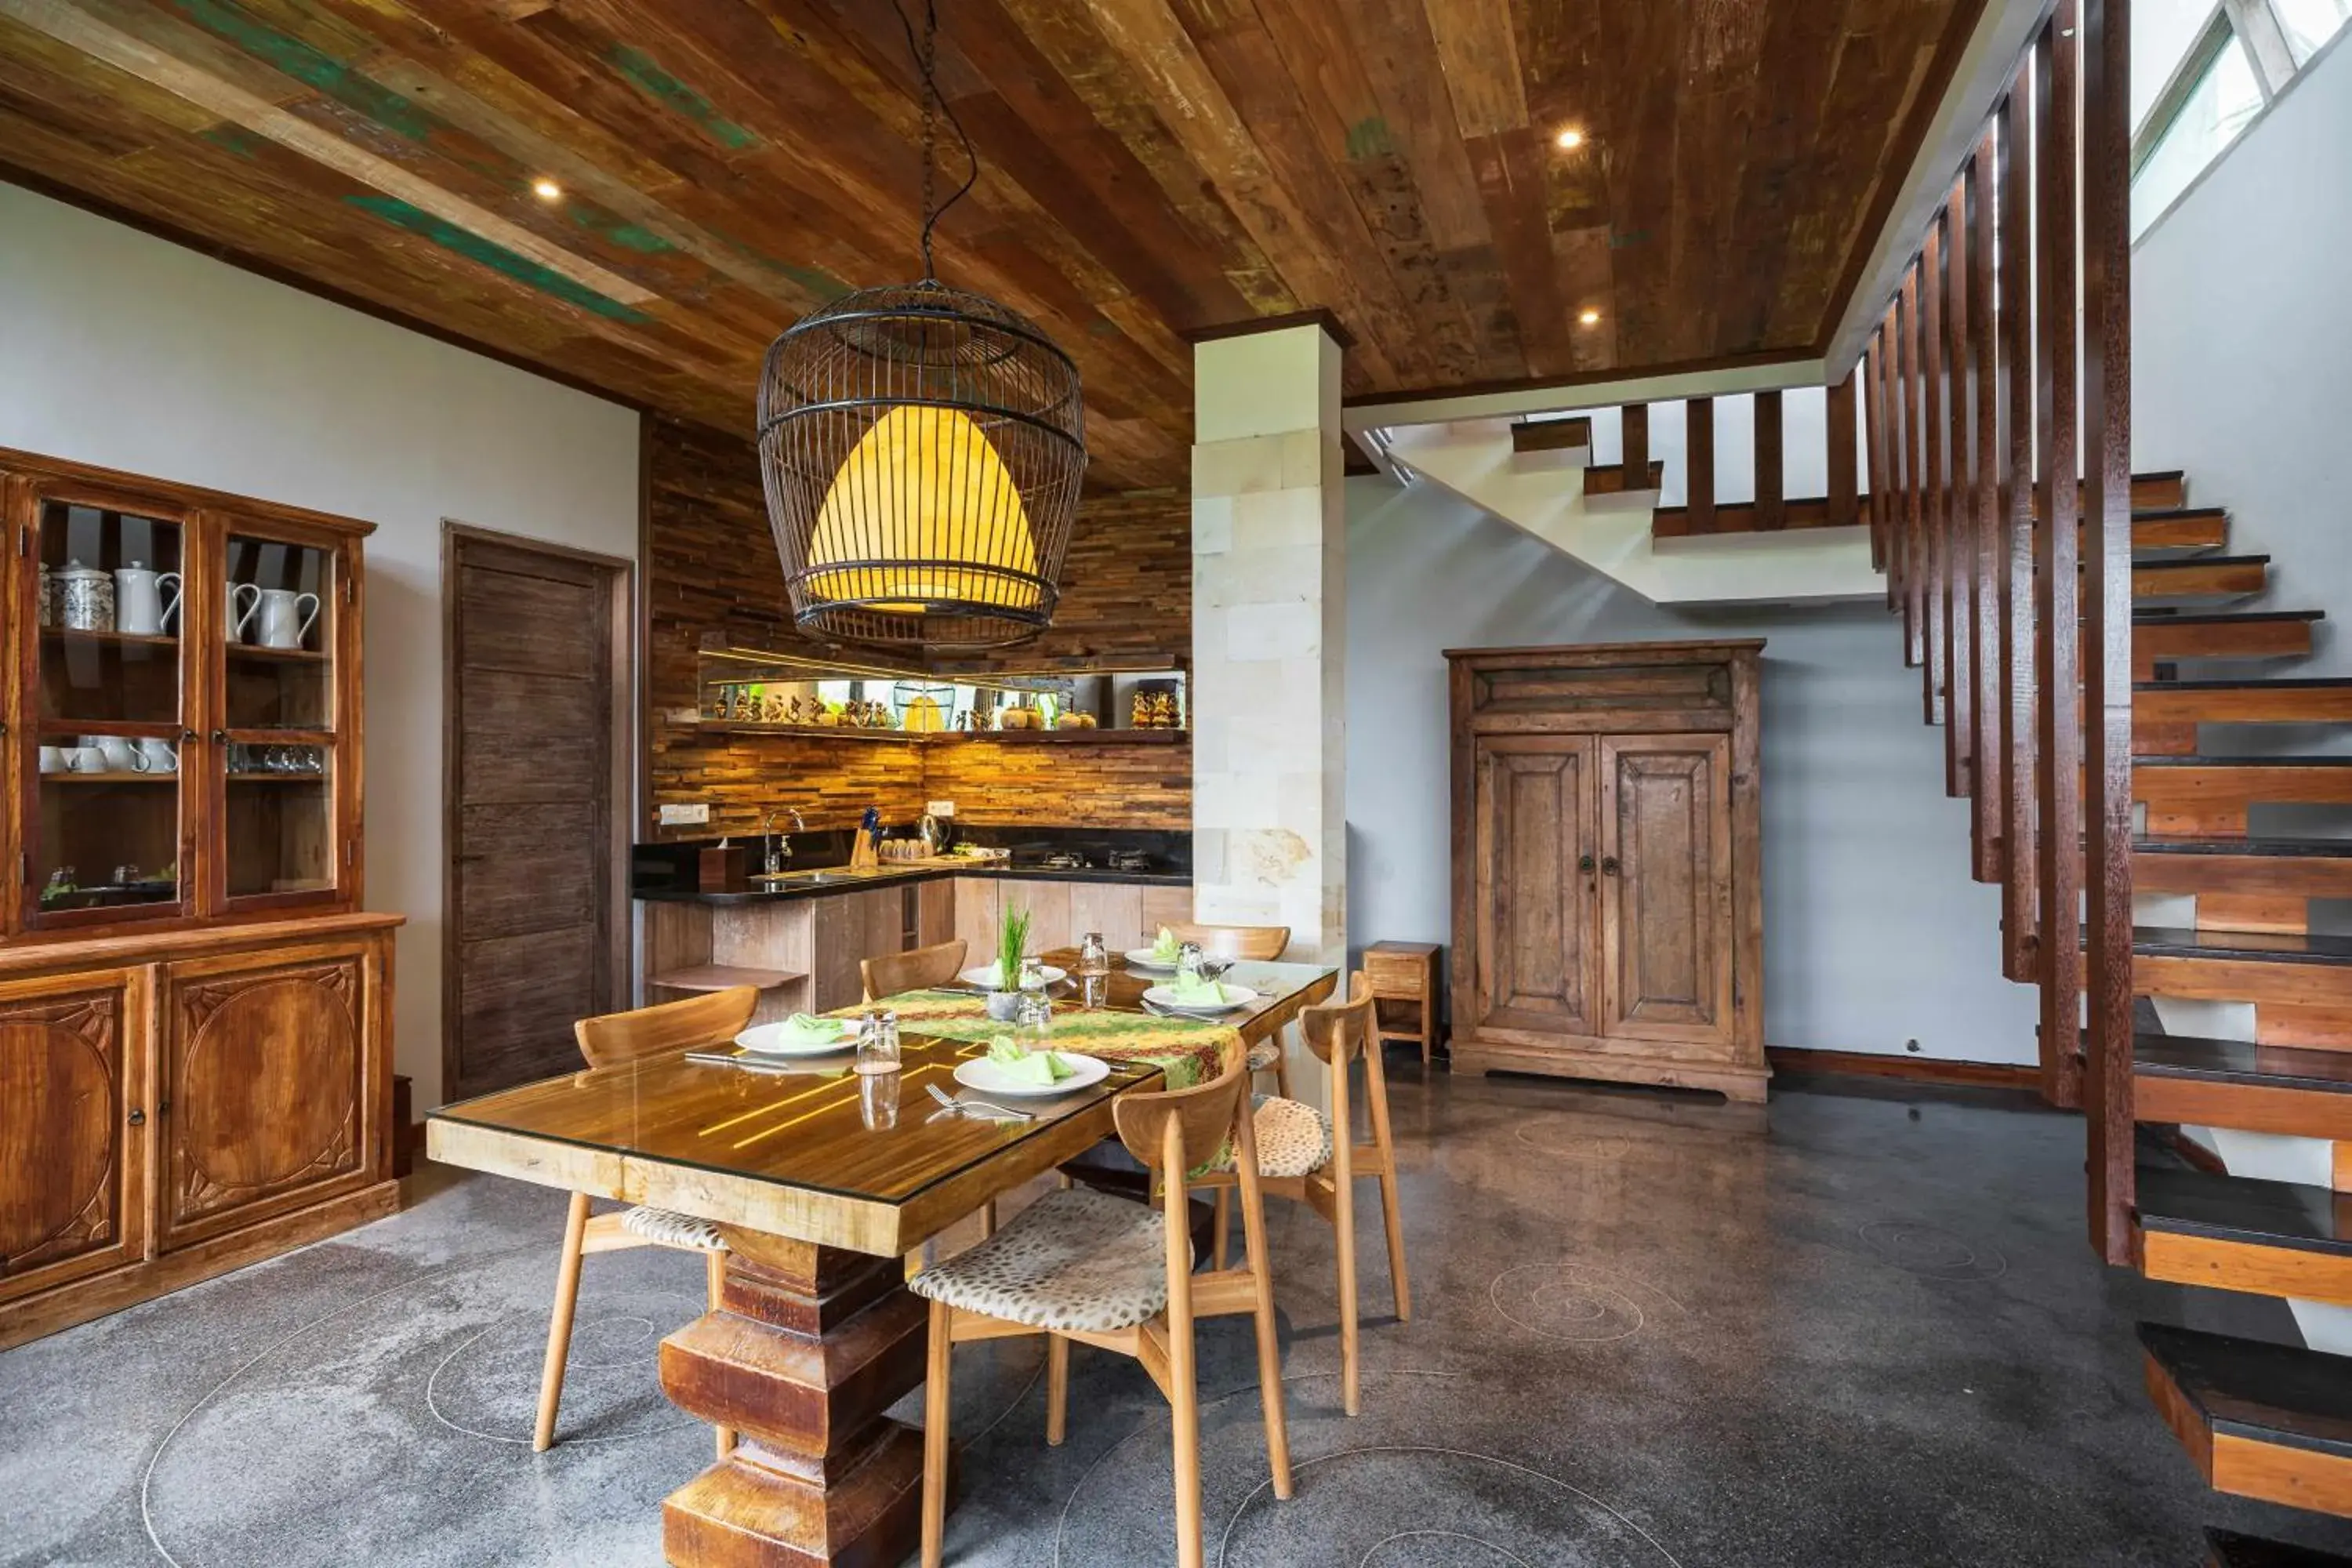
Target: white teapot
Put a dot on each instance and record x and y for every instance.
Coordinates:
(144, 600)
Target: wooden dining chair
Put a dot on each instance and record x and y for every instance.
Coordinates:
(1262, 944)
(916, 969)
(616, 1039)
(1298, 1158)
(1083, 1267)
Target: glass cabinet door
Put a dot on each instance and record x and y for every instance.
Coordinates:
(279, 731)
(106, 709)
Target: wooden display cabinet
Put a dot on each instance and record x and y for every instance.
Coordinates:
(1608, 914)
(194, 1019)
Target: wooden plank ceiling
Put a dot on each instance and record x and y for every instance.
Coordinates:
(1150, 168)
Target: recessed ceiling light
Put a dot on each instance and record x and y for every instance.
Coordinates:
(546, 190)
(1590, 318)
(1570, 140)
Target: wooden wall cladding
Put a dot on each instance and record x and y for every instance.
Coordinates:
(1006, 785)
(710, 566)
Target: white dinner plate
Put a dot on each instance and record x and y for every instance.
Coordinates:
(986, 976)
(1235, 996)
(779, 1039)
(1141, 958)
(984, 1075)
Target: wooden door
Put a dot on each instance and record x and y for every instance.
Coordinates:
(73, 1123)
(538, 738)
(264, 1103)
(1666, 918)
(1533, 897)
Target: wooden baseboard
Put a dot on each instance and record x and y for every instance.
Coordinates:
(1917, 1069)
(80, 1300)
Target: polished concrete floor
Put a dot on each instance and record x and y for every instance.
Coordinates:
(1648, 1333)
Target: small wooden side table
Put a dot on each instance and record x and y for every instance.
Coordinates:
(1404, 972)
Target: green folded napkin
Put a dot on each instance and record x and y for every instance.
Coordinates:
(813, 1026)
(1192, 991)
(1041, 1068)
(1165, 948)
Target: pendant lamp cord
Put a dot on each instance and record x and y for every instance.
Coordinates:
(926, 57)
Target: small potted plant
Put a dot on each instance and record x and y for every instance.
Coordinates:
(1011, 947)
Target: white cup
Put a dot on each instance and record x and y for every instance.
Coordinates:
(85, 760)
(53, 759)
(158, 757)
(117, 754)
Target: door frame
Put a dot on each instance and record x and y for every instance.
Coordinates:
(620, 768)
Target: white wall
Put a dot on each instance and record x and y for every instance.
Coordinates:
(1874, 933)
(2242, 343)
(121, 350)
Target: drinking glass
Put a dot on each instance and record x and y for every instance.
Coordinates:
(878, 1042)
(878, 1100)
(1033, 1026)
(1094, 958)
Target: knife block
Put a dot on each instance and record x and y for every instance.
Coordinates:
(724, 868)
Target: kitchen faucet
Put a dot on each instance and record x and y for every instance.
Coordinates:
(780, 845)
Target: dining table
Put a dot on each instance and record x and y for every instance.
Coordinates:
(822, 1180)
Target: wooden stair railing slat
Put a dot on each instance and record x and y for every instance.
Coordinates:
(1699, 455)
(1960, 509)
(1988, 793)
(2058, 740)
(2020, 864)
(1771, 488)
(1844, 497)
(1910, 558)
(1929, 432)
(1634, 423)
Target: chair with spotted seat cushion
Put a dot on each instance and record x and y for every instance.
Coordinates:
(1083, 1265)
(616, 1040)
(1299, 1157)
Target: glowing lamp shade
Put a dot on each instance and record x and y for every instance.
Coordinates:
(924, 513)
(923, 452)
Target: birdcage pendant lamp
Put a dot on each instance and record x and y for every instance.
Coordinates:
(922, 449)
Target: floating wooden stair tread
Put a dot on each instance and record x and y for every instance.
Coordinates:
(2259, 1420)
(2241, 848)
(2259, 946)
(2182, 528)
(2162, 635)
(2286, 1090)
(2227, 1549)
(2200, 577)
(2241, 1210)
(2165, 616)
(2313, 699)
(722, 977)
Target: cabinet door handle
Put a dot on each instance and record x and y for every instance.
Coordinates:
(1584, 864)
(220, 737)
(1609, 865)
(187, 737)
(138, 1117)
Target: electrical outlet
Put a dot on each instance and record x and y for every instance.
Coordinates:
(684, 815)
(941, 808)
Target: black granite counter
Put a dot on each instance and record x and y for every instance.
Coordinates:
(666, 873)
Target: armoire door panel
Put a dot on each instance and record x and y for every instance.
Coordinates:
(1666, 844)
(1534, 826)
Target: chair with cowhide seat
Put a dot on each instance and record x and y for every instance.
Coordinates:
(1083, 1267)
(1299, 1157)
(617, 1039)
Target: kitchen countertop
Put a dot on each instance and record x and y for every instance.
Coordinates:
(842, 880)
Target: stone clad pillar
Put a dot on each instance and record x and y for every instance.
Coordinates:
(1269, 611)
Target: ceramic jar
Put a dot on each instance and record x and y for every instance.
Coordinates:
(85, 597)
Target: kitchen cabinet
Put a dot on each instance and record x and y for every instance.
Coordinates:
(1062, 912)
(265, 1100)
(195, 1017)
(72, 1125)
(1608, 911)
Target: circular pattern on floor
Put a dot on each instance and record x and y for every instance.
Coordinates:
(1930, 1251)
(488, 1385)
(1411, 1506)
(1578, 1302)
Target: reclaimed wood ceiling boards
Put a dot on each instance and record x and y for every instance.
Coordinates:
(1151, 168)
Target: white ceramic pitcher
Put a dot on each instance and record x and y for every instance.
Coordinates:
(144, 600)
(281, 617)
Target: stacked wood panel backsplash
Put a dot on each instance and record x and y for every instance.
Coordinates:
(710, 566)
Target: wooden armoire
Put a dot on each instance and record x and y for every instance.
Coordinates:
(1608, 915)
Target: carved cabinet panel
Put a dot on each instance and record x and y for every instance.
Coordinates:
(266, 1062)
(1665, 839)
(71, 1159)
(1534, 878)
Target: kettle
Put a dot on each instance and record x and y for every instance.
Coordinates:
(938, 834)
